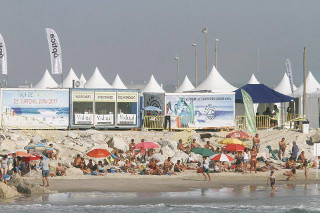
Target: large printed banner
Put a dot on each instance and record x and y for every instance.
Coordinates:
(200, 110)
(154, 99)
(35, 109)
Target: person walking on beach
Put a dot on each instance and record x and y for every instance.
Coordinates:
(256, 142)
(294, 151)
(272, 181)
(4, 165)
(206, 169)
(282, 148)
(253, 160)
(45, 167)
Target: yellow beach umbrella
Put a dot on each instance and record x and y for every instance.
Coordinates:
(231, 141)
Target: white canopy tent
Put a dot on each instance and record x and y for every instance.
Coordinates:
(185, 86)
(253, 80)
(118, 84)
(68, 81)
(97, 81)
(284, 86)
(152, 87)
(312, 85)
(46, 82)
(215, 83)
(82, 79)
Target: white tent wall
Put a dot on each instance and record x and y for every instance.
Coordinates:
(313, 108)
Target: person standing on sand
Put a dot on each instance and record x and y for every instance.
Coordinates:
(4, 165)
(45, 167)
(256, 142)
(272, 181)
(245, 160)
(253, 160)
(294, 151)
(282, 148)
(206, 169)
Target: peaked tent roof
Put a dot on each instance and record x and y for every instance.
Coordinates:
(46, 81)
(118, 84)
(68, 81)
(215, 83)
(185, 86)
(284, 86)
(260, 93)
(97, 81)
(82, 79)
(152, 86)
(311, 85)
(253, 80)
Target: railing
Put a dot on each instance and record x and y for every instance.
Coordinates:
(153, 122)
(263, 122)
(240, 123)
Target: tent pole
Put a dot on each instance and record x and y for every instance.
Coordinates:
(304, 83)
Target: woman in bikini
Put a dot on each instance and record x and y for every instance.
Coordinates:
(253, 160)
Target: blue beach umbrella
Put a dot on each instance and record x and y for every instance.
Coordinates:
(152, 108)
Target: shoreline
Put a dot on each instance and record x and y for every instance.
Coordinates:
(174, 183)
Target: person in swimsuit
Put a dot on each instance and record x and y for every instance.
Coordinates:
(206, 169)
(290, 174)
(132, 145)
(294, 151)
(4, 165)
(282, 148)
(253, 160)
(245, 160)
(272, 181)
(209, 146)
(256, 142)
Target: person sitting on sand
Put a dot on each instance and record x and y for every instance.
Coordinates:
(5, 178)
(127, 166)
(29, 150)
(60, 170)
(183, 148)
(256, 142)
(77, 162)
(50, 154)
(282, 148)
(209, 146)
(100, 167)
(253, 160)
(178, 167)
(270, 166)
(272, 181)
(218, 150)
(194, 144)
(132, 145)
(90, 165)
(168, 165)
(290, 164)
(86, 170)
(301, 158)
(290, 174)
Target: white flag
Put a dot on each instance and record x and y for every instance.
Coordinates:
(3, 57)
(55, 51)
(289, 73)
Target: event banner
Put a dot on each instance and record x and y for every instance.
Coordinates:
(85, 119)
(37, 109)
(3, 57)
(55, 51)
(198, 110)
(289, 73)
(127, 119)
(250, 115)
(154, 99)
(105, 119)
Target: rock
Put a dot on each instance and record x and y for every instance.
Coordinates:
(118, 143)
(315, 138)
(205, 135)
(98, 138)
(30, 188)
(196, 157)
(72, 135)
(158, 157)
(172, 144)
(7, 191)
(166, 151)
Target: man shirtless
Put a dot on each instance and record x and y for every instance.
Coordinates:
(132, 145)
(282, 148)
(194, 144)
(256, 142)
(77, 162)
(253, 160)
(168, 165)
(209, 146)
(60, 170)
(183, 148)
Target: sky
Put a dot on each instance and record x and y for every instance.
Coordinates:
(138, 38)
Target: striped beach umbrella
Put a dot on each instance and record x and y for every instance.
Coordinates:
(222, 157)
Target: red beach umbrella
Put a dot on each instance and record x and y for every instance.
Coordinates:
(21, 154)
(235, 148)
(238, 134)
(99, 153)
(222, 157)
(146, 145)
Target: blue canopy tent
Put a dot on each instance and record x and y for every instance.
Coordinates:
(260, 93)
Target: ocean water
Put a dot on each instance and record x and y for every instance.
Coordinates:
(289, 198)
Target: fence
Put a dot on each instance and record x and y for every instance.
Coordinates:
(158, 122)
(153, 122)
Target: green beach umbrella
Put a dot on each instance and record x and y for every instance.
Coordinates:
(202, 151)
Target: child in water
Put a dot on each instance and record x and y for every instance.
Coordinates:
(272, 181)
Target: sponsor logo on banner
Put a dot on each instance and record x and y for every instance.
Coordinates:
(127, 97)
(83, 118)
(103, 119)
(82, 96)
(55, 51)
(289, 73)
(126, 119)
(105, 96)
